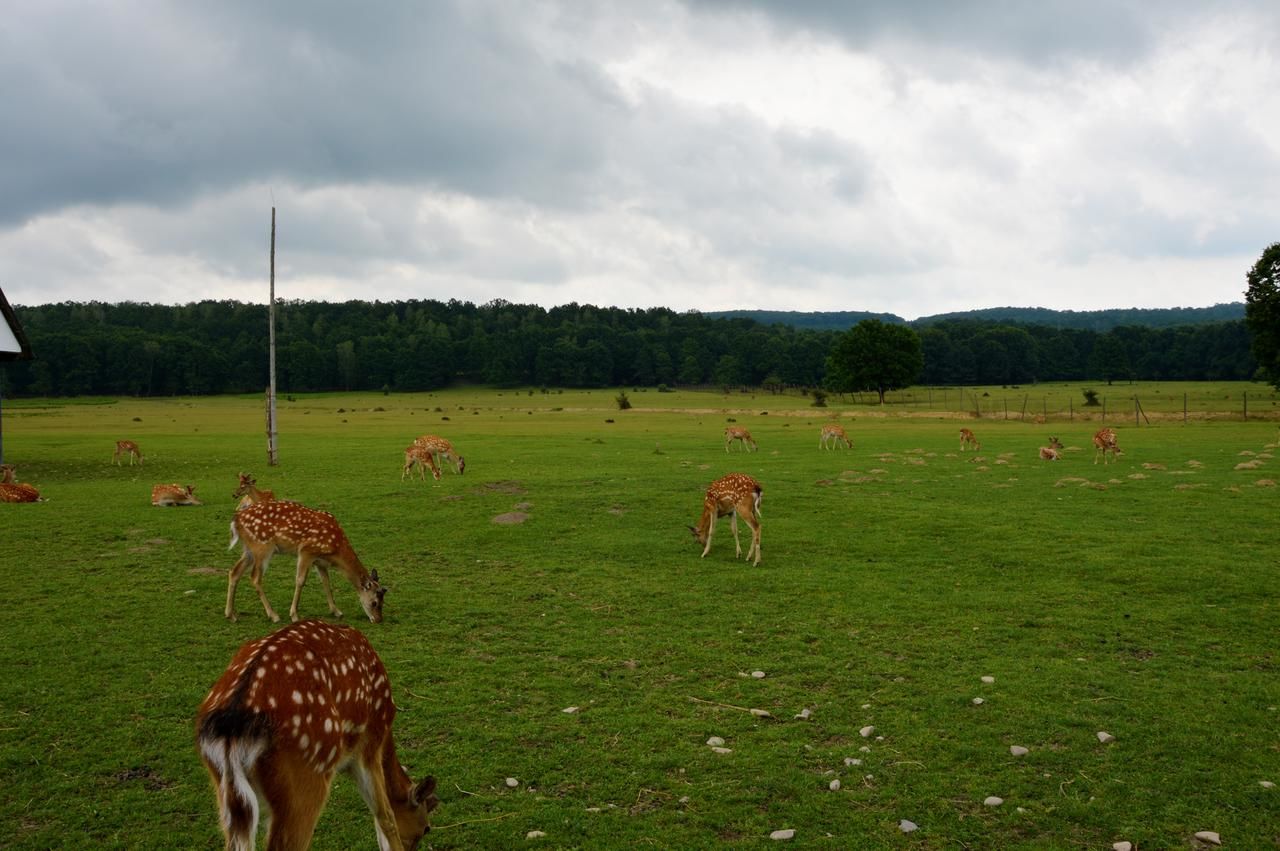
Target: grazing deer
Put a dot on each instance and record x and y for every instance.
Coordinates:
(415, 454)
(731, 495)
(13, 491)
(292, 709)
(1052, 452)
(969, 441)
(127, 446)
(168, 495)
(441, 448)
(834, 435)
(280, 526)
(1105, 441)
(249, 494)
(732, 433)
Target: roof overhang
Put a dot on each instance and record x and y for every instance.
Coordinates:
(13, 341)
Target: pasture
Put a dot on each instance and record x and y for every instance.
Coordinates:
(1138, 599)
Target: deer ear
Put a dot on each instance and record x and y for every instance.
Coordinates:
(374, 575)
(424, 793)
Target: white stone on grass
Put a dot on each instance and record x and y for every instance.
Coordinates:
(1209, 836)
(783, 834)
(759, 675)
(977, 701)
(715, 742)
(512, 782)
(834, 785)
(867, 731)
(1122, 846)
(993, 801)
(988, 680)
(1105, 737)
(569, 710)
(761, 713)
(722, 750)
(851, 761)
(907, 826)
(864, 749)
(1018, 750)
(534, 834)
(804, 714)
(1266, 784)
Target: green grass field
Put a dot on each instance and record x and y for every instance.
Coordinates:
(1138, 599)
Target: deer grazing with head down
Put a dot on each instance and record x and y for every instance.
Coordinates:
(415, 454)
(170, 495)
(290, 711)
(1105, 441)
(969, 441)
(127, 447)
(442, 449)
(281, 526)
(1052, 452)
(731, 495)
(249, 493)
(14, 491)
(834, 435)
(732, 433)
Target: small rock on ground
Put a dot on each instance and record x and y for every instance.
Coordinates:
(534, 834)
(1209, 836)
(907, 826)
(804, 714)
(1122, 846)
(1018, 750)
(1105, 737)
(851, 761)
(512, 782)
(988, 680)
(715, 742)
(569, 710)
(783, 834)
(866, 732)
(759, 675)
(1266, 784)
(993, 801)
(834, 785)
(722, 750)
(977, 701)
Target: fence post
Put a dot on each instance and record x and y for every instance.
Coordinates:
(1246, 404)
(1071, 404)
(1135, 411)
(1184, 408)
(1104, 409)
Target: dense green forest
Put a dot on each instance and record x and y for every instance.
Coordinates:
(221, 347)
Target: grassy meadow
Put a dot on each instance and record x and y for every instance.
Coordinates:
(1139, 598)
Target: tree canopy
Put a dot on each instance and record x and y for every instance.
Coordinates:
(875, 355)
(1262, 310)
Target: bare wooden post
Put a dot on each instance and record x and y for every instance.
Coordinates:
(1071, 405)
(1135, 411)
(1104, 409)
(1184, 407)
(272, 454)
(1246, 404)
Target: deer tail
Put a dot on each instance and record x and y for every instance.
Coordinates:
(231, 744)
(755, 500)
(235, 536)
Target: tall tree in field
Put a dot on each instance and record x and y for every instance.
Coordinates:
(1262, 310)
(875, 355)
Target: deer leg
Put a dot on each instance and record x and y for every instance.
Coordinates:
(295, 793)
(299, 579)
(233, 579)
(323, 570)
(255, 576)
(371, 781)
(737, 545)
(754, 523)
(711, 529)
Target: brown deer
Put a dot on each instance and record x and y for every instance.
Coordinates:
(969, 441)
(130, 448)
(1052, 452)
(292, 709)
(249, 494)
(732, 433)
(834, 435)
(732, 495)
(441, 448)
(169, 495)
(1105, 441)
(281, 526)
(415, 454)
(14, 491)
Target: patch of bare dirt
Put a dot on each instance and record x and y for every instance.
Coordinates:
(511, 518)
(502, 487)
(206, 571)
(617, 510)
(151, 781)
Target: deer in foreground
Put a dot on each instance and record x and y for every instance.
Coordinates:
(969, 441)
(249, 493)
(1052, 452)
(415, 454)
(732, 495)
(732, 433)
(276, 526)
(1105, 441)
(834, 435)
(292, 709)
(127, 447)
(169, 495)
(14, 491)
(441, 448)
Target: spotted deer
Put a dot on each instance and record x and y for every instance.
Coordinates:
(127, 447)
(170, 495)
(415, 454)
(1052, 452)
(1105, 441)
(281, 526)
(249, 493)
(15, 491)
(969, 441)
(834, 435)
(731, 495)
(441, 448)
(732, 433)
(290, 711)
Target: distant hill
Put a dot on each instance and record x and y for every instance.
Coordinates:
(1086, 320)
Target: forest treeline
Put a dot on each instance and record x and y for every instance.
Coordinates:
(221, 347)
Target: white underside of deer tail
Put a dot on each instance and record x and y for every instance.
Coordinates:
(233, 760)
(235, 536)
(755, 502)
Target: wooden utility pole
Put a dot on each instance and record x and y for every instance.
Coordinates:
(272, 457)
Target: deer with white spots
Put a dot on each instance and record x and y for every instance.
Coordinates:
(281, 526)
(731, 495)
(415, 454)
(442, 449)
(834, 435)
(127, 447)
(732, 433)
(969, 441)
(1052, 452)
(291, 710)
(14, 491)
(1105, 441)
(249, 493)
(170, 495)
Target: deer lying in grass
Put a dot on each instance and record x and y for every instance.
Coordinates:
(732, 495)
(290, 711)
(170, 495)
(14, 491)
(1052, 452)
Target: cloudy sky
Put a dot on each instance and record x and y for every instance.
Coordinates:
(908, 157)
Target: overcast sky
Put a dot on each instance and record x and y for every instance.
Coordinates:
(908, 157)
